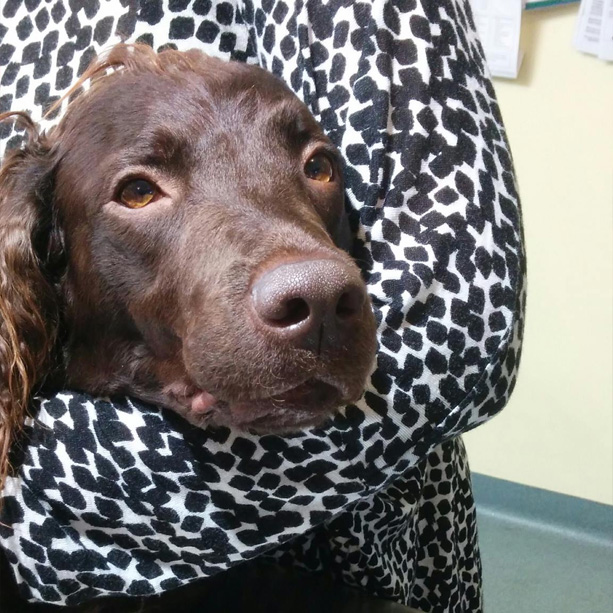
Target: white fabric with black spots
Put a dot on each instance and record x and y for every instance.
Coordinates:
(120, 497)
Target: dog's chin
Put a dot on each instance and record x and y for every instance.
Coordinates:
(308, 404)
(305, 405)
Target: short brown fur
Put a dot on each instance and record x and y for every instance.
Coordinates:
(154, 303)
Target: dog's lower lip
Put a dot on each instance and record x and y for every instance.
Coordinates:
(202, 401)
(306, 403)
(312, 396)
(310, 386)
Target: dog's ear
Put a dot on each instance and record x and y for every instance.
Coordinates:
(28, 303)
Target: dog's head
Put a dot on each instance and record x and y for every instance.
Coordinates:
(177, 237)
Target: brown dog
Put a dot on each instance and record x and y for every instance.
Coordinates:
(176, 238)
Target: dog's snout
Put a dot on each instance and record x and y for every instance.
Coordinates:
(309, 303)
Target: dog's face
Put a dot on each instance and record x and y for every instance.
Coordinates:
(200, 209)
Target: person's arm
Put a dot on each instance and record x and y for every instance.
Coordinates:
(404, 91)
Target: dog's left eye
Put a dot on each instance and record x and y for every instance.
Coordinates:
(319, 168)
(137, 193)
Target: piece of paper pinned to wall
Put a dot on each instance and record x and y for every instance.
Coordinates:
(499, 24)
(594, 30)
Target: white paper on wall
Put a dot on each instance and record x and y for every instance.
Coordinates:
(499, 24)
(594, 29)
(605, 51)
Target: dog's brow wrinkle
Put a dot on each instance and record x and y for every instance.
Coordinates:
(163, 149)
(166, 146)
(291, 118)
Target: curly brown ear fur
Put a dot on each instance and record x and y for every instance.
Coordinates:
(28, 303)
(30, 246)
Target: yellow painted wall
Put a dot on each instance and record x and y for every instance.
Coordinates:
(557, 431)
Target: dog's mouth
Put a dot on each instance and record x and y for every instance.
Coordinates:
(308, 403)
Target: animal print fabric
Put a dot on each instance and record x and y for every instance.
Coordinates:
(114, 496)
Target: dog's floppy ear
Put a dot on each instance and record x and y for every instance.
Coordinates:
(28, 303)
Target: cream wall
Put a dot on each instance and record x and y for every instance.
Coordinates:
(557, 431)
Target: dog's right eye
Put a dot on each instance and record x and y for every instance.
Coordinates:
(137, 193)
(319, 168)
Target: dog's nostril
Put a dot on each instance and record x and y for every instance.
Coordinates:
(349, 304)
(293, 312)
(308, 303)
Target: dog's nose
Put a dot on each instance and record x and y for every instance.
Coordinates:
(309, 303)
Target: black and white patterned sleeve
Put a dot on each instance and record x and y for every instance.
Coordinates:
(402, 89)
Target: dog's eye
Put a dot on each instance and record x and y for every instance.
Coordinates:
(319, 168)
(137, 193)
